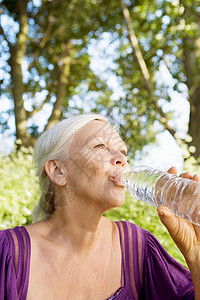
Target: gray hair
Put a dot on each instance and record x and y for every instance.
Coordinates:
(54, 144)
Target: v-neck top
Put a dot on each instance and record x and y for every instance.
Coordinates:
(148, 271)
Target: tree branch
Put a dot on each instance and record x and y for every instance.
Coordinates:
(5, 37)
(136, 47)
(44, 40)
(65, 64)
(143, 68)
(36, 110)
(166, 63)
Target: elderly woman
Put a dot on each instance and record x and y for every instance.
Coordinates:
(74, 252)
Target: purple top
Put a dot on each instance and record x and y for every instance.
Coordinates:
(148, 271)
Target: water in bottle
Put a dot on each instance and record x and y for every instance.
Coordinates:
(180, 195)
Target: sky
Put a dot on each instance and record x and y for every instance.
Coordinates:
(165, 152)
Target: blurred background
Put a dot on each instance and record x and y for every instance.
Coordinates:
(135, 62)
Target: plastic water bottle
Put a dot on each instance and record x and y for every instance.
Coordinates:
(180, 195)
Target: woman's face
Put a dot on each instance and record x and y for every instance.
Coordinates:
(96, 154)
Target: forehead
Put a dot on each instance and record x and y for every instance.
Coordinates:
(97, 129)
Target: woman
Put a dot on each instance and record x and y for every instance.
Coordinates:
(76, 253)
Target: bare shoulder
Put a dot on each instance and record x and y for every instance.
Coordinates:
(111, 227)
(37, 230)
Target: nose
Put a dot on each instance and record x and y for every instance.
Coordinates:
(119, 159)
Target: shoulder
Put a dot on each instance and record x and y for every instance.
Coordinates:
(10, 239)
(132, 231)
(141, 238)
(134, 239)
(13, 261)
(4, 239)
(131, 228)
(145, 243)
(38, 229)
(5, 245)
(15, 249)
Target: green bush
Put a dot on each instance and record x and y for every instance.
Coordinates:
(19, 189)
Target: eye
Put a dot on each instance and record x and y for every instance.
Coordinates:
(101, 146)
(124, 152)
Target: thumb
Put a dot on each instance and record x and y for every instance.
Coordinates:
(169, 220)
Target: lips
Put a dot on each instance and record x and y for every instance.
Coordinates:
(117, 177)
(117, 181)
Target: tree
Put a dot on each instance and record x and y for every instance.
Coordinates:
(155, 32)
(149, 33)
(51, 40)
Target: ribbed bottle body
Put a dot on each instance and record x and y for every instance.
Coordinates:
(180, 195)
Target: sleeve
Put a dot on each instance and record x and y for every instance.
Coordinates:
(7, 272)
(164, 278)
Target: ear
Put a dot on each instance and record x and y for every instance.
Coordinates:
(56, 172)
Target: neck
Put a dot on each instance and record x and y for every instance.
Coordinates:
(78, 224)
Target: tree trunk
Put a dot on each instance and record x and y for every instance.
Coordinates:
(194, 123)
(61, 88)
(17, 54)
(191, 56)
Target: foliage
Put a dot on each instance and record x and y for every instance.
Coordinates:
(18, 190)
(167, 34)
(57, 77)
(44, 49)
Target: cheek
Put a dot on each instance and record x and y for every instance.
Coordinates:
(96, 167)
(100, 162)
(89, 168)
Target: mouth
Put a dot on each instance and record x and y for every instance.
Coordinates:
(117, 181)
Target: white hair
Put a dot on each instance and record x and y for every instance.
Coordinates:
(54, 144)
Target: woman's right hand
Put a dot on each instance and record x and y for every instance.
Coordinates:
(186, 235)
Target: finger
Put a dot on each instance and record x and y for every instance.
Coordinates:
(172, 170)
(163, 211)
(186, 175)
(196, 177)
(169, 220)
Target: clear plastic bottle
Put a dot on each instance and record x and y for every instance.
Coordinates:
(180, 195)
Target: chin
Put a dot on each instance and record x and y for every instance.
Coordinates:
(116, 202)
(120, 202)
